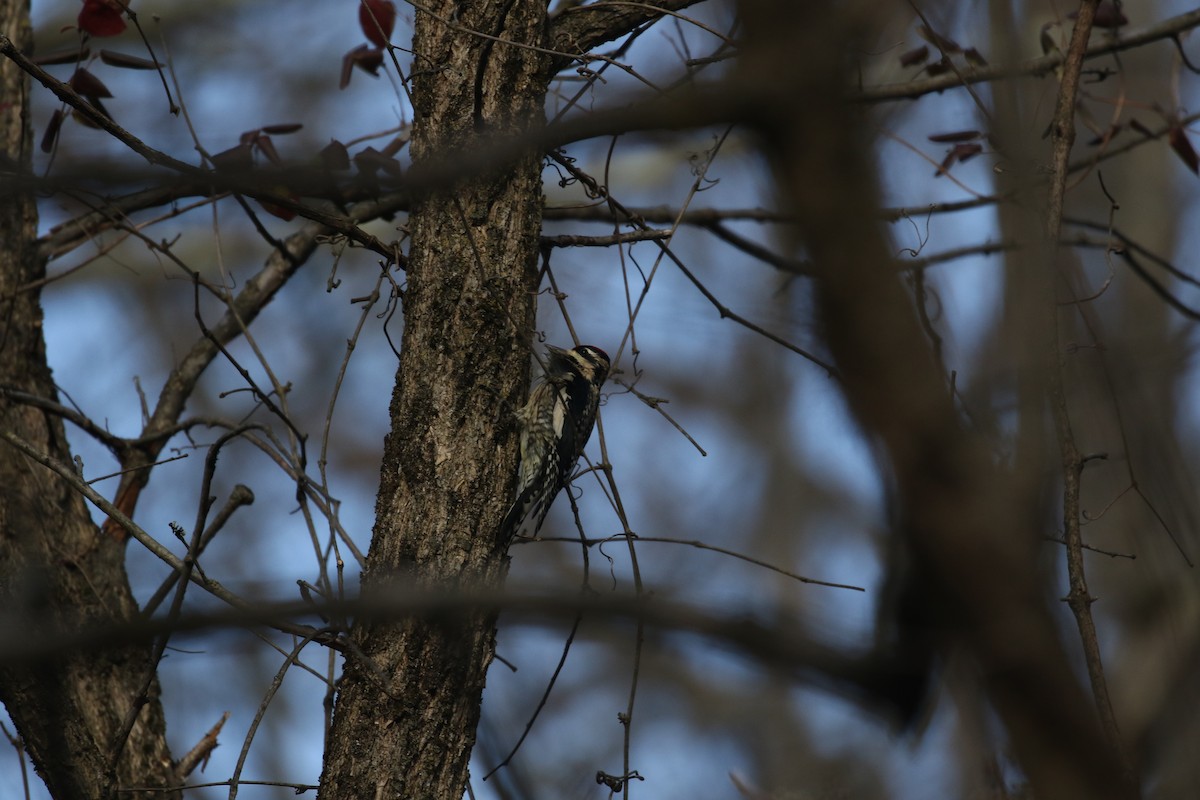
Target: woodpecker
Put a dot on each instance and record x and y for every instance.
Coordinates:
(555, 425)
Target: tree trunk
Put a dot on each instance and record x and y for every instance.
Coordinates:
(56, 570)
(450, 458)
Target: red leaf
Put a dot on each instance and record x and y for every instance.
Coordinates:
(377, 18)
(914, 56)
(1183, 148)
(101, 18)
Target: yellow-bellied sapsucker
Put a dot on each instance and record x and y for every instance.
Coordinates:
(555, 425)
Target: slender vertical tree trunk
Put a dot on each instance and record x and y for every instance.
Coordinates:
(55, 566)
(404, 726)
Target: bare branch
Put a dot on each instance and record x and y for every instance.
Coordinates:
(1167, 29)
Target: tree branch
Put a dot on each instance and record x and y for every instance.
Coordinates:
(1167, 29)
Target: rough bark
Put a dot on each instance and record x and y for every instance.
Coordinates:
(450, 457)
(55, 567)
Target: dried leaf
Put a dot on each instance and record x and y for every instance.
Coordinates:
(370, 60)
(69, 56)
(974, 57)
(285, 214)
(1049, 43)
(938, 67)
(1139, 127)
(123, 61)
(369, 161)
(1108, 16)
(938, 41)
(51, 134)
(286, 127)
(1179, 142)
(915, 56)
(966, 152)
(366, 58)
(335, 156)
(955, 136)
(377, 18)
(1107, 136)
(267, 148)
(88, 85)
(397, 144)
(239, 157)
(86, 121)
(960, 152)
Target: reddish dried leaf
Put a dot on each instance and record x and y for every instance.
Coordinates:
(369, 161)
(939, 41)
(974, 57)
(86, 121)
(1139, 127)
(915, 56)
(123, 61)
(101, 18)
(960, 152)
(368, 59)
(286, 127)
(267, 148)
(397, 144)
(285, 214)
(70, 56)
(377, 18)
(944, 167)
(1108, 16)
(938, 67)
(965, 152)
(955, 136)
(1107, 136)
(88, 85)
(1179, 142)
(335, 156)
(238, 157)
(51, 134)
(1049, 43)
